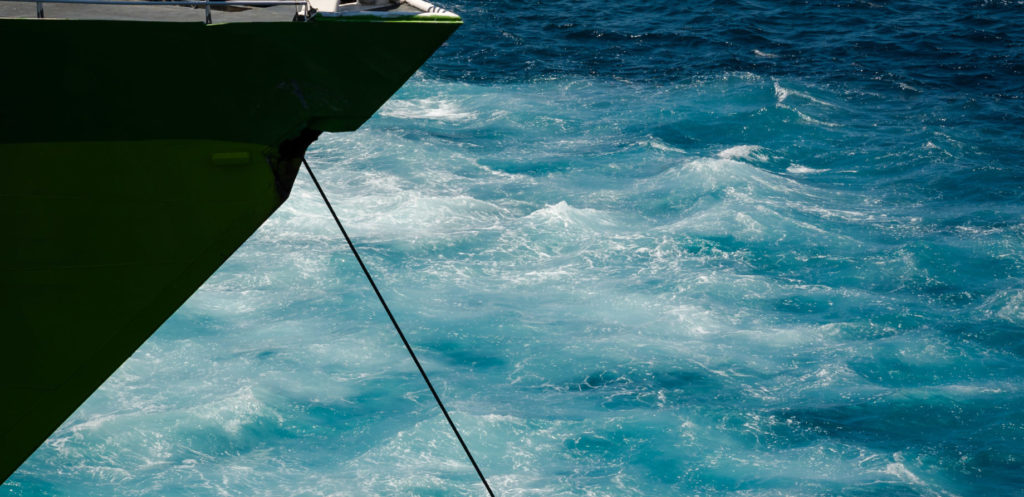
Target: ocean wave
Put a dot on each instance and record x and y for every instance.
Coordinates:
(620, 287)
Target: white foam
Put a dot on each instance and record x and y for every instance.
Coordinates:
(904, 86)
(564, 215)
(747, 152)
(740, 179)
(799, 169)
(413, 214)
(846, 215)
(660, 145)
(235, 411)
(426, 108)
(782, 93)
(812, 120)
(1009, 306)
(900, 471)
(932, 146)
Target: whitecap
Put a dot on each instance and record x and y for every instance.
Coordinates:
(800, 169)
(660, 145)
(727, 174)
(812, 120)
(235, 411)
(904, 86)
(1006, 305)
(567, 216)
(900, 471)
(426, 108)
(782, 93)
(412, 214)
(741, 152)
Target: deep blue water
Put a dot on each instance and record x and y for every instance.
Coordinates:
(715, 248)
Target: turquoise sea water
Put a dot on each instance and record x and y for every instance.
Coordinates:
(716, 248)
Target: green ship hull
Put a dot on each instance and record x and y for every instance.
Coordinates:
(137, 157)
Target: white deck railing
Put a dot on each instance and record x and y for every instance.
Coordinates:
(185, 3)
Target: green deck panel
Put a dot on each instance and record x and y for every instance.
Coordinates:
(137, 157)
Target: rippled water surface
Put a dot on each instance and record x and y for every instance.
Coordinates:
(715, 248)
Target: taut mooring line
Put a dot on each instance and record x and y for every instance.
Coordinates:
(398, 329)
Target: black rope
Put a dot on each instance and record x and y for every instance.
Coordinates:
(399, 330)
